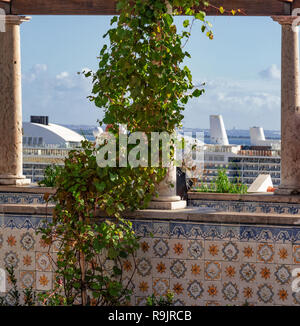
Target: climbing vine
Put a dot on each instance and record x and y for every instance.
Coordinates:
(141, 83)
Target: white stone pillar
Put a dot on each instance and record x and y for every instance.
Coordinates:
(11, 162)
(290, 105)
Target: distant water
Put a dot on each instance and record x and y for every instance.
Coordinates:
(239, 137)
(232, 140)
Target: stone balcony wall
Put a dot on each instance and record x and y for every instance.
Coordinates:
(205, 255)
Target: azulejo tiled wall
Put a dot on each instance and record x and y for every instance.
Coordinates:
(213, 264)
(202, 263)
(247, 207)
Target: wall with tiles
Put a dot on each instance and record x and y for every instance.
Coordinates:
(247, 207)
(203, 264)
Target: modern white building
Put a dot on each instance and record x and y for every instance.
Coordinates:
(45, 144)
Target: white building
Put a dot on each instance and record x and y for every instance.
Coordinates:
(45, 144)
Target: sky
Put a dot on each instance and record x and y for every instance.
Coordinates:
(240, 68)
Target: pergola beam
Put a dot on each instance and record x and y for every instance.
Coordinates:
(108, 7)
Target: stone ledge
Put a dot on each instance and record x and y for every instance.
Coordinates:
(187, 214)
(271, 198)
(26, 209)
(32, 189)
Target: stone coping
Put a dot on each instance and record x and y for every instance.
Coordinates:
(188, 214)
(29, 189)
(265, 197)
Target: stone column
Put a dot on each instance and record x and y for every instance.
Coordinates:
(167, 198)
(290, 107)
(11, 162)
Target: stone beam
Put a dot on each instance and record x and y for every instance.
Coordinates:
(108, 7)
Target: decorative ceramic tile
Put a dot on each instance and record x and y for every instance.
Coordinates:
(212, 290)
(128, 266)
(161, 248)
(43, 281)
(27, 279)
(43, 262)
(11, 241)
(160, 267)
(230, 251)
(248, 251)
(213, 250)
(283, 254)
(178, 287)
(283, 295)
(41, 245)
(27, 260)
(230, 271)
(195, 289)
(247, 292)
(161, 229)
(146, 247)
(265, 273)
(212, 270)
(160, 286)
(195, 269)
(143, 287)
(247, 272)
(178, 248)
(265, 293)
(11, 258)
(283, 274)
(265, 252)
(195, 249)
(178, 268)
(27, 241)
(230, 291)
(178, 230)
(144, 266)
(142, 228)
(195, 231)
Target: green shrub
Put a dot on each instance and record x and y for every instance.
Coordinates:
(222, 184)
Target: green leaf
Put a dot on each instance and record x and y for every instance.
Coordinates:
(113, 20)
(186, 23)
(197, 92)
(168, 19)
(100, 186)
(200, 15)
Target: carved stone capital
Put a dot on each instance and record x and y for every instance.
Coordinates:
(286, 20)
(14, 19)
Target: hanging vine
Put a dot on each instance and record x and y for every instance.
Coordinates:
(142, 83)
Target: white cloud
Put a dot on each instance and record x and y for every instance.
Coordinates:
(243, 103)
(62, 96)
(272, 72)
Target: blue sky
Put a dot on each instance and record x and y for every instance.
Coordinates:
(241, 69)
